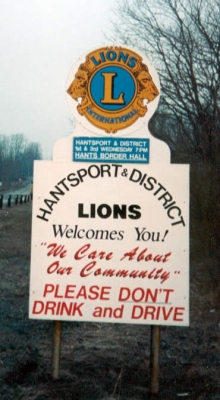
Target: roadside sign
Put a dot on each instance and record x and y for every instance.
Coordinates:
(110, 243)
(110, 227)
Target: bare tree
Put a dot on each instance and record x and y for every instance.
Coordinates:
(181, 37)
(3, 160)
(16, 158)
(32, 152)
(16, 147)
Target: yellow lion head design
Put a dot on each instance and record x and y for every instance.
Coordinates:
(78, 88)
(147, 90)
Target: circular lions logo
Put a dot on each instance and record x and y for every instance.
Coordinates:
(112, 88)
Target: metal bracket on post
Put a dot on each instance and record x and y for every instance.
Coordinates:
(155, 359)
(57, 330)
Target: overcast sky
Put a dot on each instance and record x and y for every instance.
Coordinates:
(40, 40)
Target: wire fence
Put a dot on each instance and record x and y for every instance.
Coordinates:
(10, 200)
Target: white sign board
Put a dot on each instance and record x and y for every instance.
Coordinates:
(110, 243)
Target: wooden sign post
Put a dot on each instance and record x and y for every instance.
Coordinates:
(110, 233)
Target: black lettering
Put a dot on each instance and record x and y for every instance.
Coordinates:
(44, 213)
(94, 174)
(50, 203)
(113, 235)
(62, 182)
(73, 179)
(137, 177)
(139, 234)
(151, 181)
(159, 189)
(134, 213)
(92, 215)
(81, 213)
(116, 166)
(56, 194)
(104, 211)
(120, 235)
(119, 211)
(81, 174)
(101, 235)
(105, 168)
(59, 230)
(167, 198)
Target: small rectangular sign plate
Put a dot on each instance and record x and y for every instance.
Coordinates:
(120, 150)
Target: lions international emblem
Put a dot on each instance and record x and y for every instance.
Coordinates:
(113, 87)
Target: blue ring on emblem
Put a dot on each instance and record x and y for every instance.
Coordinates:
(122, 82)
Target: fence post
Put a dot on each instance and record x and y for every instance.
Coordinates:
(1, 200)
(9, 200)
(21, 199)
(16, 199)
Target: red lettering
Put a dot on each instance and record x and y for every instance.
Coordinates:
(98, 272)
(87, 269)
(137, 312)
(167, 315)
(134, 274)
(48, 289)
(130, 254)
(55, 267)
(164, 276)
(101, 255)
(166, 257)
(82, 293)
(56, 250)
(80, 253)
(167, 291)
(149, 310)
(158, 258)
(94, 294)
(76, 308)
(124, 296)
(56, 295)
(50, 306)
(178, 312)
(151, 274)
(70, 289)
(109, 256)
(53, 245)
(105, 292)
(138, 294)
(38, 307)
(141, 255)
(94, 254)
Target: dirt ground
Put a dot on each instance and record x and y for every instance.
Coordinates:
(98, 361)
